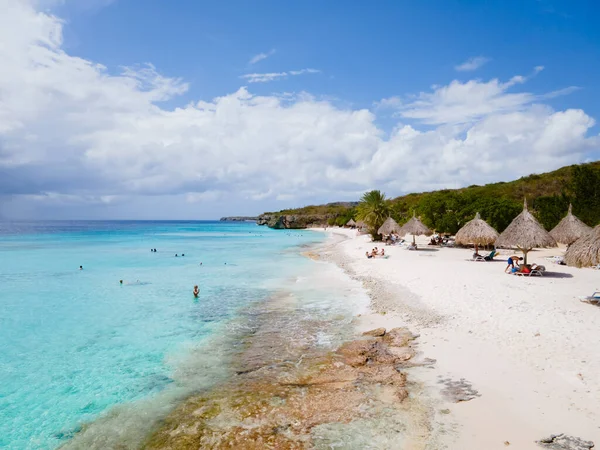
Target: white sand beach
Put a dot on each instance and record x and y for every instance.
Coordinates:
(527, 345)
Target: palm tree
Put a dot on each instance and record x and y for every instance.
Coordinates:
(373, 209)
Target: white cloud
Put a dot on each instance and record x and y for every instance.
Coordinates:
(261, 56)
(266, 77)
(72, 134)
(464, 102)
(472, 64)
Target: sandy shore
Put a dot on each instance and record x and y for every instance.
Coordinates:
(525, 349)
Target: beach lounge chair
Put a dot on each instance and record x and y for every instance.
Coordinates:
(488, 257)
(594, 299)
(537, 272)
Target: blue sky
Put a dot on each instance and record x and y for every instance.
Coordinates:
(345, 93)
(365, 51)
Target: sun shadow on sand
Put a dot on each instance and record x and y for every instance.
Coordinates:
(557, 275)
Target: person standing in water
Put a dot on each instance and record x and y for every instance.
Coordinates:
(196, 291)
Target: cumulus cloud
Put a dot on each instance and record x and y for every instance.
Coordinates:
(72, 133)
(464, 102)
(266, 77)
(261, 56)
(472, 64)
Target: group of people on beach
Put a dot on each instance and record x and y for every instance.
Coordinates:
(375, 252)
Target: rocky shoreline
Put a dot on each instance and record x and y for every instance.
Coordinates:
(290, 393)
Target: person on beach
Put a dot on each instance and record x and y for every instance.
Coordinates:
(511, 263)
(368, 255)
(196, 291)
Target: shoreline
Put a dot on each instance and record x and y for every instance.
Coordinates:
(521, 350)
(289, 391)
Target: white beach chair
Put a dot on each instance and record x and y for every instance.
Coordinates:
(594, 299)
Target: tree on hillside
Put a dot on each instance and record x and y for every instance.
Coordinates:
(585, 186)
(373, 209)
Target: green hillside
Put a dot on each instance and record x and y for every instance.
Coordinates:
(548, 196)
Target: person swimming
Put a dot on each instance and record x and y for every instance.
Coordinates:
(196, 291)
(121, 282)
(80, 267)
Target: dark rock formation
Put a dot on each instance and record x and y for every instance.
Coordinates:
(564, 442)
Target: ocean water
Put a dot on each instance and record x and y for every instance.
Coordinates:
(77, 347)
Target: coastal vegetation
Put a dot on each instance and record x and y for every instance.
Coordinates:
(373, 209)
(548, 194)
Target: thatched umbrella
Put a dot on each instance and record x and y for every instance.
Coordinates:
(351, 223)
(525, 233)
(585, 251)
(476, 231)
(415, 227)
(389, 226)
(360, 225)
(569, 229)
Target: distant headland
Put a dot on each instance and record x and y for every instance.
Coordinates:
(238, 219)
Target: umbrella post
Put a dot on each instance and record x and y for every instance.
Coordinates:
(525, 252)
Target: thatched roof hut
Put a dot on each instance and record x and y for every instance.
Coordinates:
(525, 233)
(351, 223)
(361, 225)
(389, 226)
(415, 227)
(585, 251)
(476, 231)
(569, 229)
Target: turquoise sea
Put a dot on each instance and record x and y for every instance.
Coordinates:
(77, 346)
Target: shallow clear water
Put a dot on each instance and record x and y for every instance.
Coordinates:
(74, 343)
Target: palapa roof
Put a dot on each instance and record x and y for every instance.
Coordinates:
(361, 224)
(585, 251)
(389, 226)
(415, 227)
(351, 222)
(525, 232)
(569, 229)
(476, 231)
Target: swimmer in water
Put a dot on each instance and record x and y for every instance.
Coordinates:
(121, 282)
(80, 267)
(196, 291)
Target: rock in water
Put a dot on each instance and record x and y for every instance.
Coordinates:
(563, 442)
(458, 391)
(398, 337)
